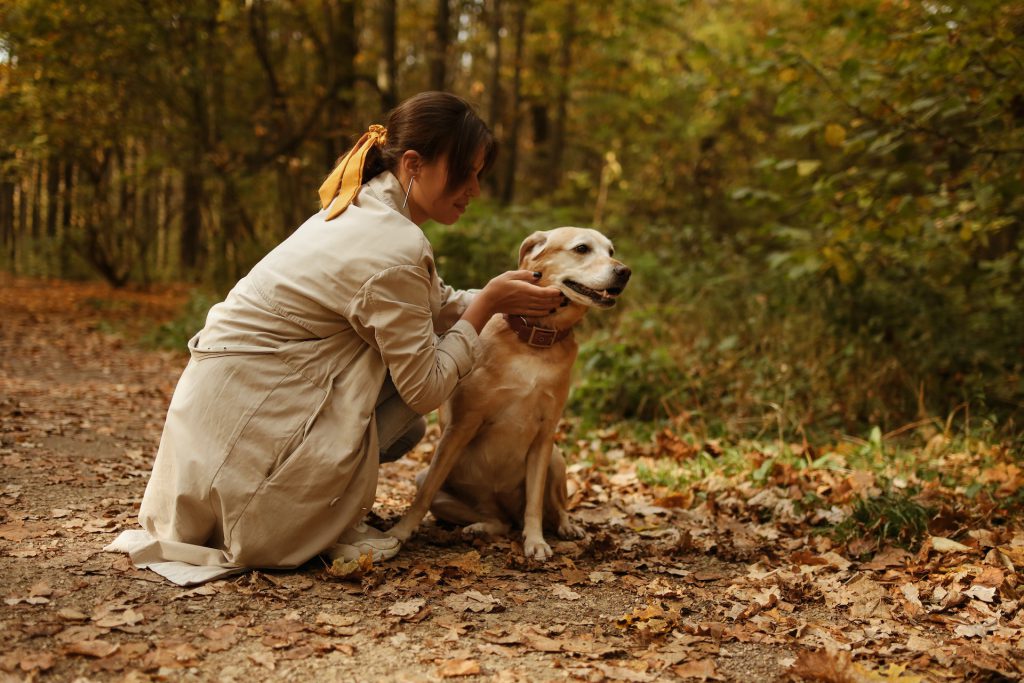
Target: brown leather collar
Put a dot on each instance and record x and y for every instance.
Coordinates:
(536, 335)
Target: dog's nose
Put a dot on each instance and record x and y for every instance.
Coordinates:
(622, 274)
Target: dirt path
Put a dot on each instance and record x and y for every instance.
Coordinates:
(666, 591)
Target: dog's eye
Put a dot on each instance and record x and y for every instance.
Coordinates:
(581, 249)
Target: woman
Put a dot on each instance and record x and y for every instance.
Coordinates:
(322, 359)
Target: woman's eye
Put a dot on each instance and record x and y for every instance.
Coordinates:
(581, 249)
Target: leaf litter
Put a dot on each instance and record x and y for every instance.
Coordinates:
(726, 578)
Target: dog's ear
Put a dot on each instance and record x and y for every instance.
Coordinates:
(531, 245)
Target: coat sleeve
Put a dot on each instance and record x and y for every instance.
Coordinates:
(391, 312)
(453, 304)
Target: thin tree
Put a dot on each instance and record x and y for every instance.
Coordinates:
(439, 46)
(512, 139)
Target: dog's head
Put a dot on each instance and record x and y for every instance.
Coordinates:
(579, 261)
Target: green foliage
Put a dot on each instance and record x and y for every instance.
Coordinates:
(891, 517)
(821, 200)
(486, 241)
(627, 373)
(176, 333)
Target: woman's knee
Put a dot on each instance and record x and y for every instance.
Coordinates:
(405, 442)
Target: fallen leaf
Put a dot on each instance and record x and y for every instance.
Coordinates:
(69, 614)
(983, 593)
(473, 601)
(337, 619)
(40, 590)
(42, 661)
(945, 545)
(407, 608)
(264, 658)
(352, 570)
(565, 593)
(92, 648)
(704, 669)
(452, 668)
(221, 638)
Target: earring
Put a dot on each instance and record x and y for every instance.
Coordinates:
(408, 191)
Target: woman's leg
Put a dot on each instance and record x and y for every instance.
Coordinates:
(399, 427)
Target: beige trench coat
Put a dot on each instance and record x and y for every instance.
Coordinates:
(269, 451)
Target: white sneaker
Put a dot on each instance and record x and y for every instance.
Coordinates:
(363, 539)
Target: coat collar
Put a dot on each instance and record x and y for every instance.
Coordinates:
(386, 188)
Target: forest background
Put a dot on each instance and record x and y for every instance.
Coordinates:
(821, 200)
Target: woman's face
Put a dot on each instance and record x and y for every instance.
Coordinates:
(431, 200)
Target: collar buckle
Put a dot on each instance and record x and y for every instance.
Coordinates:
(542, 337)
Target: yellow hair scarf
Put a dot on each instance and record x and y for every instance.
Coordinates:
(347, 176)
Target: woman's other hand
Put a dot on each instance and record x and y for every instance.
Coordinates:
(514, 293)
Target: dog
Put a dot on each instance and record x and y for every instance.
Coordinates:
(497, 462)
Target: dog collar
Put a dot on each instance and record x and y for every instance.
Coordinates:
(536, 335)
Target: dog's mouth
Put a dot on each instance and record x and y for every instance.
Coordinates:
(600, 297)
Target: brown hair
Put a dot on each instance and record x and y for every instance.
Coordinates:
(435, 124)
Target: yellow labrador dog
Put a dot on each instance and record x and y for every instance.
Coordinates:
(496, 462)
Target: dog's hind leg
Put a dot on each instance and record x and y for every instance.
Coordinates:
(556, 499)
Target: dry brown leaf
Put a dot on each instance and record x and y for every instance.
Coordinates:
(41, 661)
(912, 600)
(407, 608)
(337, 619)
(473, 601)
(92, 648)
(352, 570)
(825, 666)
(992, 577)
(703, 669)
(941, 544)
(171, 654)
(221, 638)
(625, 673)
(452, 668)
(264, 658)
(40, 590)
(564, 592)
(69, 614)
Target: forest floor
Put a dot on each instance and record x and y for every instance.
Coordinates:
(728, 578)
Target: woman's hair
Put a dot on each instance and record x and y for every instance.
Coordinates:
(435, 124)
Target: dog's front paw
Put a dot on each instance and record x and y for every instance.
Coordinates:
(537, 548)
(485, 529)
(400, 531)
(570, 530)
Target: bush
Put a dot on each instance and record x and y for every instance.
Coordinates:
(176, 333)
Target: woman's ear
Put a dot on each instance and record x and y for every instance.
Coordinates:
(411, 162)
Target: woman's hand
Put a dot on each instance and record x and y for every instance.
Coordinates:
(514, 293)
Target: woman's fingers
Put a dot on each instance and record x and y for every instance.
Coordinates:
(517, 293)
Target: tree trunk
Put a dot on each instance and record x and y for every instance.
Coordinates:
(22, 232)
(494, 25)
(439, 46)
(340, 67)
(191, 220)
(37, 200)
(512, 139)
(387, 66)
(558, 136)
(68, 202)
(7, 217)
(52, 194)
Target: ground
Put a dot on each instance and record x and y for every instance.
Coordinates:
(723, 582)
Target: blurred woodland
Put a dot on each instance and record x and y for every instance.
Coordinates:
(822, 200)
